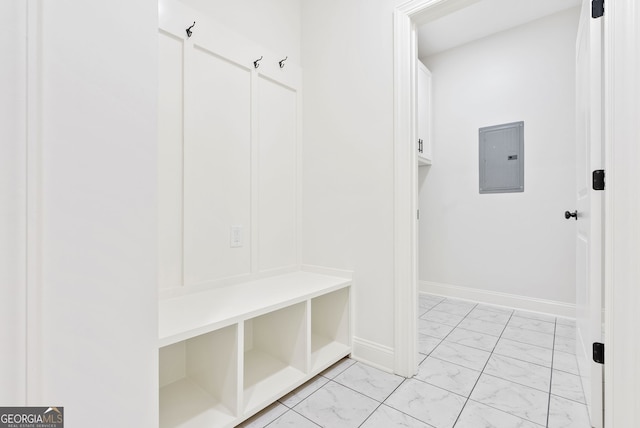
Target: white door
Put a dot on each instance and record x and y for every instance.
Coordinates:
(589, 239)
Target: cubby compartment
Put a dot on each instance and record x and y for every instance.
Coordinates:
(229, 352)
(199, 380)
(275, 356)
(329, 328)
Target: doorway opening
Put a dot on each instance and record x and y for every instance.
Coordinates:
(409, 177)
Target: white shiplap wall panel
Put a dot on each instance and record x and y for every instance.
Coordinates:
(217, 189)
(229, 155)
(170, 159)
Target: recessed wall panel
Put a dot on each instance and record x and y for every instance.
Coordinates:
(217, 168)
(277, 175)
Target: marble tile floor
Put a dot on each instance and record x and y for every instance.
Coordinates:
(481, 366)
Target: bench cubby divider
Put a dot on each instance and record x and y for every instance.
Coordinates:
(227, 353)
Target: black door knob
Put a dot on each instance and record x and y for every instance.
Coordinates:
(568, 215)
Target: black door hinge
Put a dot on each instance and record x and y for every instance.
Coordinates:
(598, 179)
(597, 8)
(598, 352)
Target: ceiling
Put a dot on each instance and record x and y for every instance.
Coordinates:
(482, 19)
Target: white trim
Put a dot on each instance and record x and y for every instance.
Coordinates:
(299, 161)
(34, 203)
(622, 211)
(551, 307)
(167, 293)
(255, 172)
(405, 197)
(622, 205)
(372, 354)
(340, 273)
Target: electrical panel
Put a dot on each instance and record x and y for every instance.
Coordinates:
(501, 158)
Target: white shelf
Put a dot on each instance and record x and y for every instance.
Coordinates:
(265, 377)
(198, 380)
(330, 338)
(423, 161)
(185, 404)
(183, 317)
(227, 353)
(275, 354)
(325, 351)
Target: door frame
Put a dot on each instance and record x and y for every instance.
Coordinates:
(622, 211)
(589, 234)
(405, 271)
(622, 198)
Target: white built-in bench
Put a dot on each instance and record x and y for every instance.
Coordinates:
(229, 352)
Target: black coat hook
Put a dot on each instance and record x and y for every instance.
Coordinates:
(189, 32)
(255, 63)
(281, 62)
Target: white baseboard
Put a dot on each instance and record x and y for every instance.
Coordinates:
(373, 354)
(551, 307)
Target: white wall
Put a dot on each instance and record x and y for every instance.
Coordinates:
(12, 202)
(516, 243)
(228, 155)
(275, 24)
(98, 317)
(347, 59)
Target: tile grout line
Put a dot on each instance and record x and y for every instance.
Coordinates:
(440, 340)
(310, 394)
(514, 382)
(526, 343)
(506, 413)
(429, 307)
(305, 398)
(374, 410)
(447, 335)
(504, 355)
(382, 402)
(513, 313)
(456, 326)
(570, 399)
(371, 414)
(524, 361)
(464, 317)
(400, 411)
(551, 376)
(482, 371)
(493, 351)
(361, 393)
(439, 387)
(290, 409)
(413, 377)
